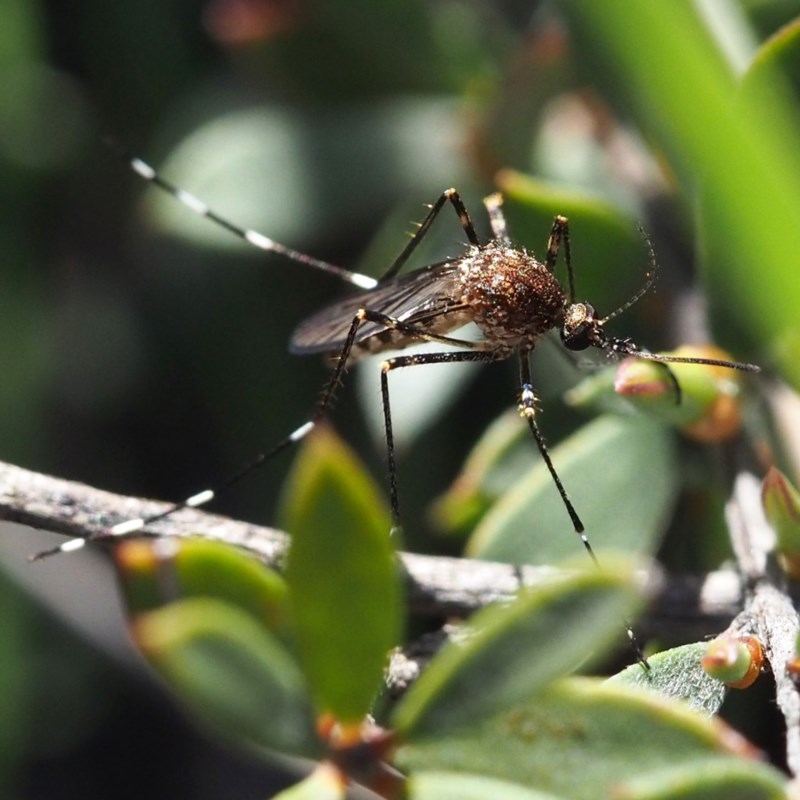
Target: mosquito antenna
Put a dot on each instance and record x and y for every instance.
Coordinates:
(652, 273)
(252, 237)
(628, 348)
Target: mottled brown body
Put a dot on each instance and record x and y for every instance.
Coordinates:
(512, 296)
(507, 292)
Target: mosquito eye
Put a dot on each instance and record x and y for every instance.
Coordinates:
(577, 338)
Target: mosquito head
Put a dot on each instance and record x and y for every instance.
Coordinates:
(581, 329)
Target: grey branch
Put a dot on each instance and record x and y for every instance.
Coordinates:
(436, 586)
(768, 611)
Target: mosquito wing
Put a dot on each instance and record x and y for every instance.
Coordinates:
(428, 298)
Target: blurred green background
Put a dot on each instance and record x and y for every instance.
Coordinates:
(143, 351)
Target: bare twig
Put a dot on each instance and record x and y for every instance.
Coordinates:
(436, 586)
(768, 611)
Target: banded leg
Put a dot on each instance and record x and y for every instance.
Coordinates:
(527, 407)
(202, 498)
(453, 197)
(254, 238)
(560, 233)
(417, 360)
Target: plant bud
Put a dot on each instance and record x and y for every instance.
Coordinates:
(781, 503)
(735, 660)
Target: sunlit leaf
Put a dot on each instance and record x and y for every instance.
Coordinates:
(582, 739)
(621, 476)
(677, 673)
(342, 575)
(739, 151)
(708, 779)
(462, 786)
(507, 653)
(156, 572)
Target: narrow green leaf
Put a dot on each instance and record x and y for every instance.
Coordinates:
(231, 672)
(342, 575)
(462, 786)
(621, 475)
(739, 150)
(580, 739)
(677, 674)
(156, 572)
(507, 653)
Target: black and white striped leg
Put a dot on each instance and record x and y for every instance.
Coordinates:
(136, 525)
(254, 238)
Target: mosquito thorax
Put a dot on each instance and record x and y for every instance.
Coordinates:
(512, 295)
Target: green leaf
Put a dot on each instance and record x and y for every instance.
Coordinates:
(462, 786)
(342, 575)
(580, 739)
(508, 652)
(677, 674)
(740, 150)
(621, 475)
(708, 779)
(156, 572)
(231, 672)
(781, 502)
(503, 453)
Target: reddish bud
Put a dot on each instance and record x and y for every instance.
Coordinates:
(735, 660)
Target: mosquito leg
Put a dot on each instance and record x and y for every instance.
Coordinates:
(201, 498)
(419, 359)
(463, 217)
(527, 407)
(494, 207)
(560, 233)
(254, 238)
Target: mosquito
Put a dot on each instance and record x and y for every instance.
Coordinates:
(507, 292)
